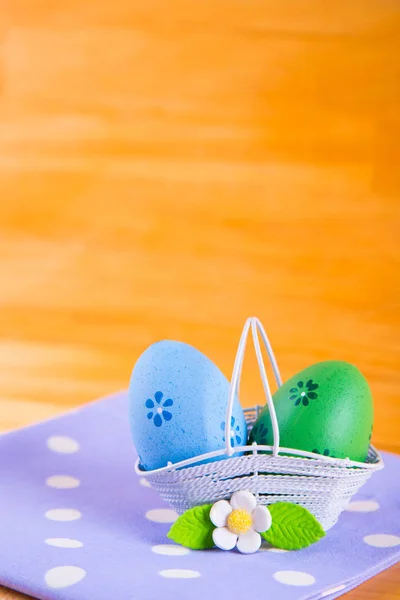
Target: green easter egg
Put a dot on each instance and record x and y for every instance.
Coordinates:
(326, 408)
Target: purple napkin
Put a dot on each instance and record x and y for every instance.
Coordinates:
(76, 523)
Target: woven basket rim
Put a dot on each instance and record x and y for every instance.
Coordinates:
(255, 449)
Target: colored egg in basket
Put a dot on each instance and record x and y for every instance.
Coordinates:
(326, 408)
(177, 404)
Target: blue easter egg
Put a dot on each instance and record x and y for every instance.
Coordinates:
(177, 404)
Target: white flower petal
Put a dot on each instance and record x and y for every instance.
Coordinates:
(224, 538)
(220, 512)
(262, 519)
(243, 500)
(249, 542)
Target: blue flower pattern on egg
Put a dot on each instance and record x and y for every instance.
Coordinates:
(157, 408)
(234, 433)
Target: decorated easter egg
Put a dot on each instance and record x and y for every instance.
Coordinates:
(177, 402)
(326, 409)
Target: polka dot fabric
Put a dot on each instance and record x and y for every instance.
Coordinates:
(77, 523)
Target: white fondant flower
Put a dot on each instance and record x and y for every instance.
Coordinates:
(239, 523)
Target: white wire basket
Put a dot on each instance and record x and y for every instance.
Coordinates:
(322, 484)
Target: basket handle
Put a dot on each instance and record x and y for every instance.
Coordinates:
(256, 326)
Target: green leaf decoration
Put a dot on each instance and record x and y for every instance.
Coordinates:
(293, 527)
(194, 529)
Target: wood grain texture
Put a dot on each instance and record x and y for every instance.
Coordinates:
(167, 170)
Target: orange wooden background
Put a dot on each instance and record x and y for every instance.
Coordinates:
(167, 169)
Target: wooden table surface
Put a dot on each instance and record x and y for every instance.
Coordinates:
(167, 169)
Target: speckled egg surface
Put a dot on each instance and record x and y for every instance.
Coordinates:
(326, 408)
(177, 404)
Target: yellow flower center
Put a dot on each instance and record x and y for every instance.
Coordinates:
(239, 521)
